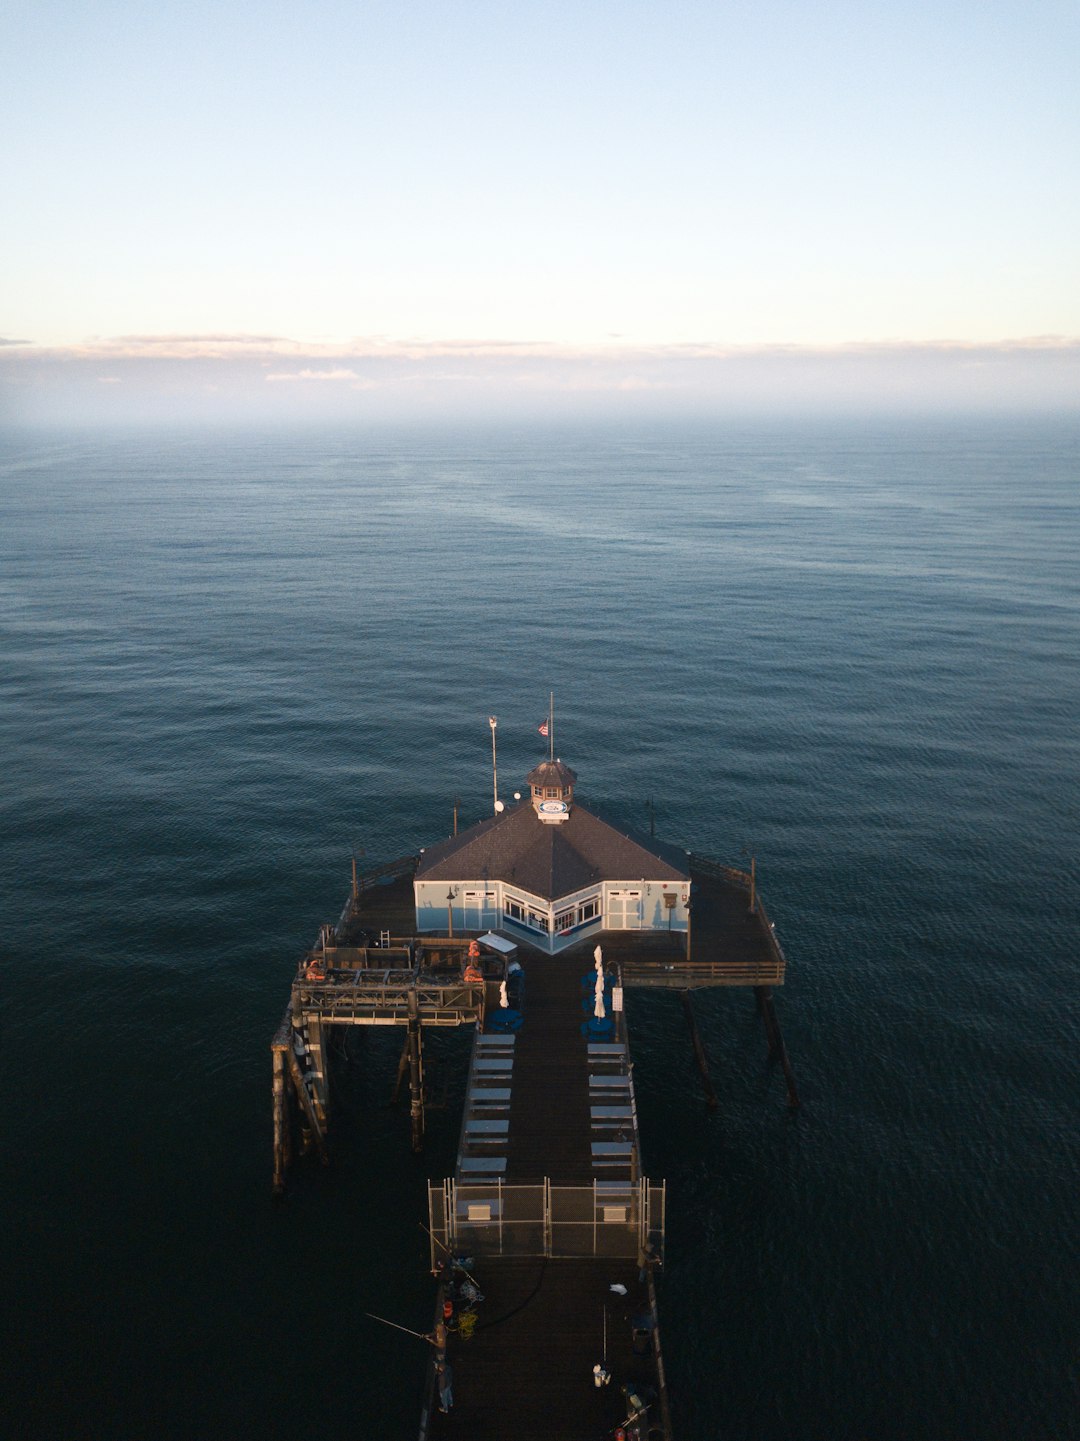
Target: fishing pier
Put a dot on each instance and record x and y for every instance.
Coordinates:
(546, 1244)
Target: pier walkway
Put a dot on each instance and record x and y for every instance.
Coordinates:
(549, 1203)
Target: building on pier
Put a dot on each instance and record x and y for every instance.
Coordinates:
(551, 873)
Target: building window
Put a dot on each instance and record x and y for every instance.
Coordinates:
(526, 915)
(588, 911)
(564, 921)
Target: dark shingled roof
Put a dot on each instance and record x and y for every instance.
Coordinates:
(552, 773)
(549, 860)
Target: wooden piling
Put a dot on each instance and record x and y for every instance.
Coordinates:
(290, 1125)
(280, 1121)
(777, 1048)
(279, 1047)
(699, 1052)
(760, 992)
(402, 1070)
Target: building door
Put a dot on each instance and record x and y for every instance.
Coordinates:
(479, 910)
(623, 911)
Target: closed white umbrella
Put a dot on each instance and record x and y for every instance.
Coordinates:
(502, 995)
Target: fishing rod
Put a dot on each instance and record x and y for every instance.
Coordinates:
(467, 1274)
(418, 1334)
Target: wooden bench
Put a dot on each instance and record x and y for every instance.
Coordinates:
(485, 1128)
(490, 1097)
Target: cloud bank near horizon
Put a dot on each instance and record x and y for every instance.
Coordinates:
(256, 378)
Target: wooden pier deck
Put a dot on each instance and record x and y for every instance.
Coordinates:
(526, 1373)
(549, 1110)
(730, 944)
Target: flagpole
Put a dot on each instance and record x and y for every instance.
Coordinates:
(551, 722)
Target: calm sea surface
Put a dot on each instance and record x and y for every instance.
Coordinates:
(228, 662)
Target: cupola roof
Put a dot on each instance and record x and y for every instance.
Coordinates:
(552, 773)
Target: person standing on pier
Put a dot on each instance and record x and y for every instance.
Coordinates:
(515, 985)
(444, 1379)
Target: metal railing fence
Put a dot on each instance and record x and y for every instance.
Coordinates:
(492, 1218)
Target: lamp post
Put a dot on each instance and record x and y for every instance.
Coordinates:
(493, 721)
(451, 896)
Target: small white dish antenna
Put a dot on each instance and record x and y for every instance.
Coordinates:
(500, 806)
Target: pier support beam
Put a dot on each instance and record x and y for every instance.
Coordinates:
(290, 1129)
(314, 1126)
(402, 1069)
(281, 1121)
(316, 1044)
(777, 1049)
(699, 1052)
(280, 1047)
(416, 1074)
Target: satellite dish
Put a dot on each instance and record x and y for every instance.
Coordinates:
(517, 795)
(499, 807)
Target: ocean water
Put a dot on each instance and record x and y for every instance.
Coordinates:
(228, 662)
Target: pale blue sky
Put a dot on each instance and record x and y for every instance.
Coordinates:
(584, 176)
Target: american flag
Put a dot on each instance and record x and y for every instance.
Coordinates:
(543, 727)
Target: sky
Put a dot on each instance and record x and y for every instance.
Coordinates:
(357, 208)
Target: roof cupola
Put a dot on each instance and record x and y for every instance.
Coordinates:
(552, 786)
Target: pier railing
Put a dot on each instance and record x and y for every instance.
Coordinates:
(388, 871)
(708, 866)
(371, 877)
(685, 975)
(608, 1218)
(762, 973)
(388, 998)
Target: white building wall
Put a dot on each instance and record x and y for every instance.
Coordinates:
(624, 905)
